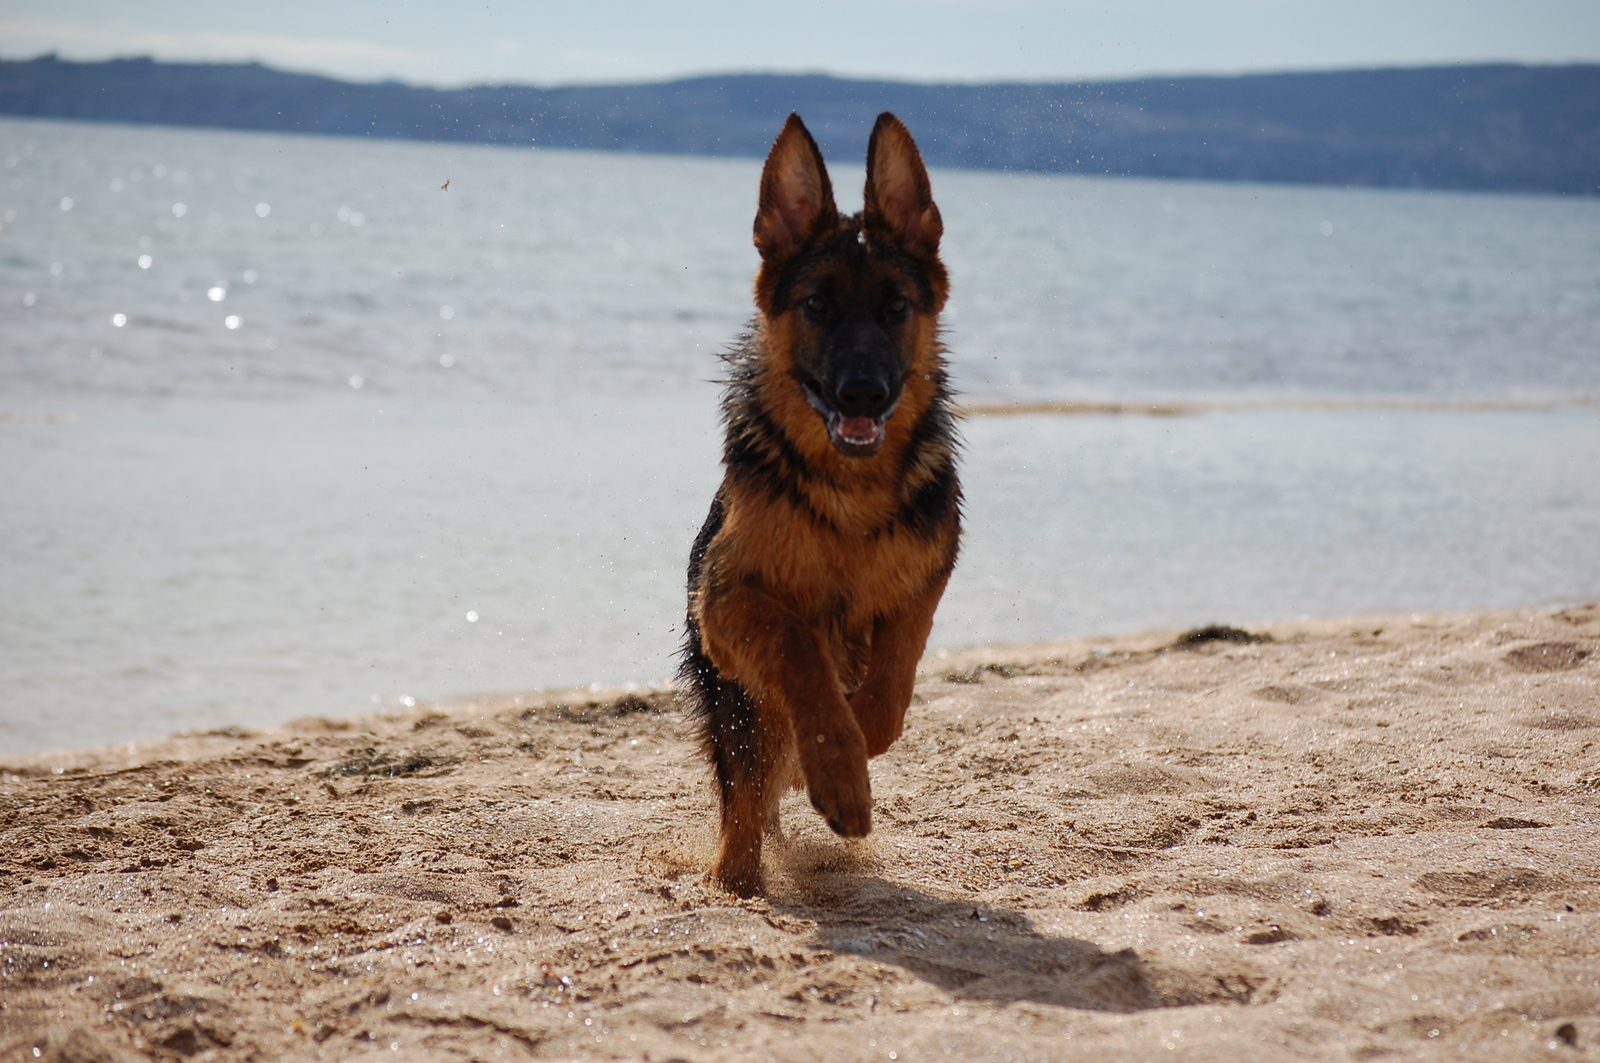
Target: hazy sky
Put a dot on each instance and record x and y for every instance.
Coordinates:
(448, 42)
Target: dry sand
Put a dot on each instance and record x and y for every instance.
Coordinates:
(1364, 839)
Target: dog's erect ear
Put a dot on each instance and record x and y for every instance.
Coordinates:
(796, 196)
(899, 199)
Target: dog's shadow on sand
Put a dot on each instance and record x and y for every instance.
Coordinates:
(977, 951)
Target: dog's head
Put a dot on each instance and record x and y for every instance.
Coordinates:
(850, 305)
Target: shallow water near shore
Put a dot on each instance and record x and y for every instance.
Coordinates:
(355, 439)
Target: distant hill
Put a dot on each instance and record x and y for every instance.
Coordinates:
(1491, 127)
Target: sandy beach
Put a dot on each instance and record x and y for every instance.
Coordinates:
(1363, 838)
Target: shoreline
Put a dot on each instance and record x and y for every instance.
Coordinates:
(1363, 837)
(995, 407)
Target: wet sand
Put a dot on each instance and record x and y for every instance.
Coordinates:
(1365, 838)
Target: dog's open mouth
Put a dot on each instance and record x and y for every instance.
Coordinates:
(856, 437)
(856, 431)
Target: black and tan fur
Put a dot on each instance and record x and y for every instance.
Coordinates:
(813, 583)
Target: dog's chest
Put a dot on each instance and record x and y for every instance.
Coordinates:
(833, 573)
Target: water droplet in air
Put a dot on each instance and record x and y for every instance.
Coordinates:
(216, 294)
(116, 184)
(119, 319)
(447, 360)
(251, 276)
(11, 216)
(66, 202)
(158, 171)
(145, 261)
(1169, 205)
(358, 219)
(408, 701)
(472, 616)
(179, 210)
(55, 269)
(316, 228)
(28, 298)
(263, 209)
(232, 321)
(447, 312)
(1326, 228)
(344, 213)
(356, 382)
(144, 243)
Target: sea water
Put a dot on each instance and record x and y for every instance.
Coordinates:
(289, 427)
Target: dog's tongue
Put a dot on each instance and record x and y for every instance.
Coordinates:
(859, 429)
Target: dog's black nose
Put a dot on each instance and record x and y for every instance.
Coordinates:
(862, 395)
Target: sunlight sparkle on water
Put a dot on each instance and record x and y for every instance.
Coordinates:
(217, 293)
(472, 616)
(232, 321)
(119, 319)
(145, 261)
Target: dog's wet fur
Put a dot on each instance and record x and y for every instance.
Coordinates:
(812, 585)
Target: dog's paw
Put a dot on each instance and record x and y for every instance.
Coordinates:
(840, 790)
(740, 883)
(739, 875)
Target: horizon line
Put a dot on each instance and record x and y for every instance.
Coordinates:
(818, 74)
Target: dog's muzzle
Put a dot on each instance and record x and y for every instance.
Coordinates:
(854, 437)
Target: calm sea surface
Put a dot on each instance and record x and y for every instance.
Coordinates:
(286, 429)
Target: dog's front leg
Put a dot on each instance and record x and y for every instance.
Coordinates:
(898, 640)
(754, 638)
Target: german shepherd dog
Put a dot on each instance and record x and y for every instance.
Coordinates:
(813, 583)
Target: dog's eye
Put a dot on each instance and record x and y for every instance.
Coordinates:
(898, 305)
(816, 305)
